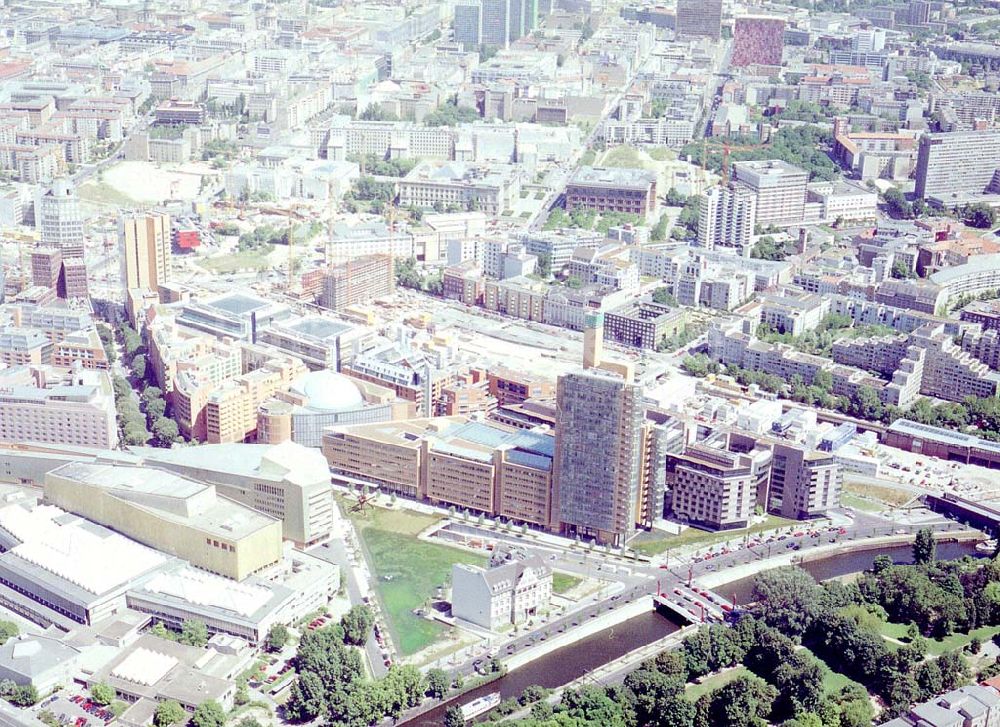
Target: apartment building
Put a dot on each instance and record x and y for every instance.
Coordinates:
(145, 249)
(727, 217)
(780, 189)
(357, 281)
(964, 163)
(644, 324)
(804, 484)
(711, 488)
(948, 372)
(699, 19)
(231, 408)
(514, 387)
(612, 190)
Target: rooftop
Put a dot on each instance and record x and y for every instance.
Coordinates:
(613, 177)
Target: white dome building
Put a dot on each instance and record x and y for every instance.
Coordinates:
(326, 398)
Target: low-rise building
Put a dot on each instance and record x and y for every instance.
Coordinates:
(514, 588)
(612, 190)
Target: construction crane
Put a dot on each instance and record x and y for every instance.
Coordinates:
(727, 148)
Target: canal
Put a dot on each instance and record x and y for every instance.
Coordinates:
(571, 662)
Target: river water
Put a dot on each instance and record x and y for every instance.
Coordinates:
(571, 662)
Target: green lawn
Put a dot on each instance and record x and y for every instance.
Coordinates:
(860, 503)
(248, 260)
(622, 156)
(936, 647)
(102, 193)
(414, 569)
(694, 536)
(562, 582)
(833, 681)
(888, 495)
(710, 684)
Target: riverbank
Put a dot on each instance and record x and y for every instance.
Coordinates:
(825, 551)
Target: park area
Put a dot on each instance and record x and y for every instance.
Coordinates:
(407, 571)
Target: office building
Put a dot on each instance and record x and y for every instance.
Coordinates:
(522, 18)
(175, 515)
(699, 19)
(145, 249)
(758, 41)
(78, 411)
(46, 266)
(612, 190)
(598, 456)
(868, 40)
(60, 220)
(711, 487)
(726, 218)
(780, 189)
(961, 162)
(512, 589)
(358, 281)
(455, 461)
(804, 484)
(467, 27)
(495, 21)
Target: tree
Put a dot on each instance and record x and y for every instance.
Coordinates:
(544, 267)
(979, 215)
(306, 699)
(193, 633)
(357, 624)
(438, 683)
(139, 367)
(166, 431)
(924, 547)
(8, 630)
(787, 599)
(102, 694)
(277, 637)
(168, 713)
(209, 714)
(453, 717)
(902, 271)
(744, 702)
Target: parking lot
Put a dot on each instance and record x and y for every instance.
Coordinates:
(76, 710)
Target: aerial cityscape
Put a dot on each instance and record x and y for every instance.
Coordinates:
(539, 363)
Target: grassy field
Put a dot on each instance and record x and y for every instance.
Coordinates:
(414, 570)
(562, 582)
(833, 681)
(693, 691)
(623, 156)
(860, 503)
(936, 647)
(693, 536)
(103, 193)
(251, 259)
(888, 495)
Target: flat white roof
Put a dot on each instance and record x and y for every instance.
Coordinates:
(76, 550)
(144, 666)
(206, 589)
